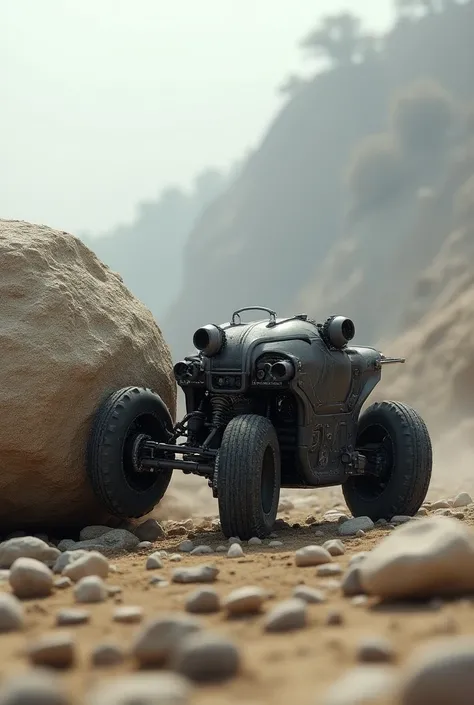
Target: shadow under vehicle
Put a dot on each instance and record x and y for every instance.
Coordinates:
(270, 403)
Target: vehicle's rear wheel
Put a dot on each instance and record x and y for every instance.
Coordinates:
(126, 414)
(394, 438)
(248, 477)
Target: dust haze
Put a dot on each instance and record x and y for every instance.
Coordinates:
(350, 190)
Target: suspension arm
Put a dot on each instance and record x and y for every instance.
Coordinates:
(188, 466)
(170, 448)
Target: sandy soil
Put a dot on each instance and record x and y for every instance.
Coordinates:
(277, 668)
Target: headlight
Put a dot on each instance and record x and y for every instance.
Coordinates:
(208, 339)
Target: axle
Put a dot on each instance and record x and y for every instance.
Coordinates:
(154, 456)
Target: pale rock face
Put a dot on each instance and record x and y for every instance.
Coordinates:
(428, 558)
(70, 334)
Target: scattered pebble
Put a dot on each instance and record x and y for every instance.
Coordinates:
(235, 551)
(362, 685)
(462, 500)
(70, 616)
(186, 546)
(90, 589)
(195, 574)
(203, 601)
(128, 614)
(30, 578)
(351, 584)
(352, 526)
(221, 549)
(335, 547)
(55, 650)
(164, 688)
(375, 650)
(254, 541)
(440, 672)
(144, 545)
(245, 601)
(34, 687)
(400, 519)
(107, 655)
(287, 616)
(440, 504)
(359, 600)
(204, 657)
(309, 556)
(233, 539)
(154, 562)
(27, 547)
(92, 563)
(334, 618)
(329, 570)
(275, 544)
(11, 613)
(62, 583)
(158, 638)
(309, 594)
(66, 558)
(428, 558)
(360, 534)
(201, 550)
(176, 558)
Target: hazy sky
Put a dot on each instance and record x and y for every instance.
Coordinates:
(106, 102)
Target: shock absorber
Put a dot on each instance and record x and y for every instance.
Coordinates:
(221, 412)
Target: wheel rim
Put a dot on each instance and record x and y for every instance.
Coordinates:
(267, 487)
(376, 443)
(149, 425)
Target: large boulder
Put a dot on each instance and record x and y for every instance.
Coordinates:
(70, 334)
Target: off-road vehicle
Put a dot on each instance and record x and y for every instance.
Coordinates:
(271, 403)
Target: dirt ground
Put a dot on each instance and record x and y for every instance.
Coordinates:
(277, 668)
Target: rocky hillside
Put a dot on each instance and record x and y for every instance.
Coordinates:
(291, 234)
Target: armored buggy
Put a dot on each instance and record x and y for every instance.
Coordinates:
(271, 403)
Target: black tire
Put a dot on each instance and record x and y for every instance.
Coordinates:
(124, 492)
(405, 442)
(248, 477)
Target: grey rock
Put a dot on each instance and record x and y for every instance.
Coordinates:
(30, 578)
(70, 616)
(440, 672)
(221, 549)
(352, 526)
(360, 534)
(107, 655)
(66, 559)
(309, 594)
(203, 601)
(287, 616)
(66, 544)
(11, 613)
(245, 600)
(55, 650)
(159, 637)
(164, 688)
(235, 551)
(206, 658)
(400, 519)
(113, 543)
(34, 687)
(195, 574)
(186, 546)
(335, 547)
(362, 685)
(93, 532)
(154, 562)
(375, 649)
(26, 547)
(92, 563)
(310, 556)
(176, 558)
(128, 614)
(235, 539)
(149, 530)
(90, 589)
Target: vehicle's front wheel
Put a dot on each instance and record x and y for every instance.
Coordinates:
(248, 477)
(394, 438)
(125, 415)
